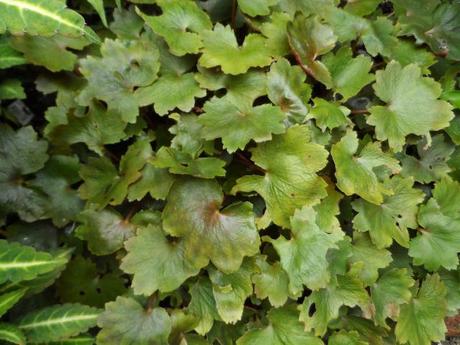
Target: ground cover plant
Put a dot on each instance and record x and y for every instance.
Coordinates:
(250, 172)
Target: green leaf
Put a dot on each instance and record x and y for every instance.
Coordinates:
(275, 31)
(434, 23)
(154, 181)
(57, 57)
(42, 281)
(238, 123)
(329, 115)
(173, 91)
(9, 57)
(9, 299)
(361, 7)
(222, 236)
(58, 322)
(380, 37)
(12, 334)
(303, 257)
(409, 97)
(390, 220)
(366, 329)
(184, 164)
(22, 154)
(438, 242)
(345, 290)
(308, 39)
(271, 282)
(11, 89)
(421, 321)
(125, 66)
(180, 24)
(124, 321)
(244, 88)
(36, 17)
(288, 90)
(451, 280)
(284, 328)
(188, 133)
(371, 258)
(164, 270)
(55, 180)
(105, 231)
(388, 293)
(18, 262)
(355, 168)
(98, 6)
(349, 74)
(431, 163)
(80, 340)
(104, 185)
(126, 23)
(346, 338)
(290, 162)
(256, 7)
(231, 290)
(328, 210)
(96, 128)
(203, 305)
(83, 282)
(221, 49)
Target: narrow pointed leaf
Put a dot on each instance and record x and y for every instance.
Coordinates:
(58, 322)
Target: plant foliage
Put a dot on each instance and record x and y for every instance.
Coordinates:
(249, 172)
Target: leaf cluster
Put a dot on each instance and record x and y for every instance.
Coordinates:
(249, 172)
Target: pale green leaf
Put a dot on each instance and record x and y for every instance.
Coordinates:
(390, 220)
(221, 49)
(256, 7)
(421, 321)
(388, 293)
(124, 321)
(438, 241)
(231, 290)
(412, 105)
(287, 89)
(180, 24)
(355, 168)
(158, 263)
(303, 257)
(271, 282)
